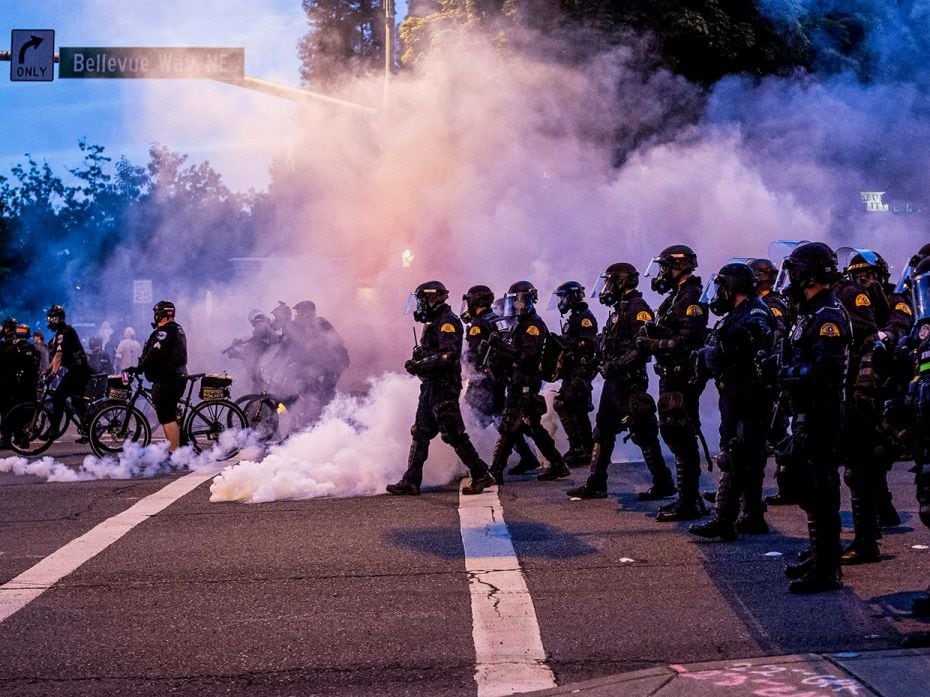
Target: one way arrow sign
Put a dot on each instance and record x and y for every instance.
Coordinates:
(32, 55)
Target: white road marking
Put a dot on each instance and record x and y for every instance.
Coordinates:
(508, 647)
(29, 585)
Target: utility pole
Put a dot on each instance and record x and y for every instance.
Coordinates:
(388, 48)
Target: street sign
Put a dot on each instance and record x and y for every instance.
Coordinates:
(32, 55)
(152, 62)
(142, 292)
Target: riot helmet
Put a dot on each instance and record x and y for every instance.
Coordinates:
(8, 327)
(808, 264)
(521, 299)
(281, 315)
(670, 265)
(904, 283)
(616, 281)
(765, 272)
(920, 293)
(426, 300)
(163, 309)
(733, 279)
(568, 296)
(55, 317)
(473, 300)
(22, 332)
(305, 309)
(863, 266)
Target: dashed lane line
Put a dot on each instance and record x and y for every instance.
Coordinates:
(509, 652)
(29, 585)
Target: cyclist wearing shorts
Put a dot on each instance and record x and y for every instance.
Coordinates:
(164, 363)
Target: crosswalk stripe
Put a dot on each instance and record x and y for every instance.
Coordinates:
(509, 651)
(29, 585)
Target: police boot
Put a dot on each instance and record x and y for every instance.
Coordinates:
(751, 524)
(481, 477)
(714, 528)
(409, 485)
(864, 549)
(479, 484)
(780, 499)
(887, 514)
(499, 459)
(662, 484)
(528, 460)
(689, 506)
(596, 486)
(824, 573)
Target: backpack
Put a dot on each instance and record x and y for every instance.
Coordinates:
(550, 361)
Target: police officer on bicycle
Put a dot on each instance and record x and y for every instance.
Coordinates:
(67, 353)
(164, 363)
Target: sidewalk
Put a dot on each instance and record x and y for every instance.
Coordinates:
(897, 673)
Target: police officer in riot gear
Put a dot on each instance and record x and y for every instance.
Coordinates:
(521, 350)
(19, 373)
(625, 404)
(437, 363)
(578, 367)
(814, 377)
(891, 367)
(486, 393)
(66, 352)
(863, 470)
(679, 329)
(164, 364)
(740, 345)
(919, 398)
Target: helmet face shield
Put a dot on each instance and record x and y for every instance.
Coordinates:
(516, 304)
(411, 303)
(920, 291)
(555, 301)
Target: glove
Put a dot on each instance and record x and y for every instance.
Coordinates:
(496, 340)
(646, 344)
(131, 371)
(412, 366)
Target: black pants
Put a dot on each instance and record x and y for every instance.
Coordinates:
(522, 415)
(438, 413)
(679, 419)
(573, 404)
(743, 432)
(73, 385)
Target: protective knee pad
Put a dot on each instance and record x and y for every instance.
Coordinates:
(421, 432)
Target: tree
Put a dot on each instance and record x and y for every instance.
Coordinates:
(346, 39)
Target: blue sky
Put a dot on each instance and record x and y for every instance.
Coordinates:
(208, 120)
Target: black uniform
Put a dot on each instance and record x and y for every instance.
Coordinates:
(625, 404)
(920, 398)
(814, 378)
(164, 363)
(739, 345)
(680, 329)
(781, 314)
(486, 393)
(578, 367)
(19, 379)
(863, 473)
(437, 363)
(73, 384)
(521, 348)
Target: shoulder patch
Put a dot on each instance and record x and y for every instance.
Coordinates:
(862, 300)
(474, 331)
(776, 311)
(532, 330)
(447, 328)
(587, 323)
(829, 329)
(694, 311)
(162, 335)
(643, 316)
(903, 307)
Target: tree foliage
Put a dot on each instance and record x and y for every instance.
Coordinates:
(346, 39)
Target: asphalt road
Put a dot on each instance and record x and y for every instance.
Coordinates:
(369, 596)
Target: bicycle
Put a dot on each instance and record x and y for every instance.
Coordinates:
(120, 421)
(263, 412)
(32, 425)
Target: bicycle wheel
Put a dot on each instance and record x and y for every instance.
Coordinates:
(261, 414)
(30, 427)
(209, 419)
(115, 425)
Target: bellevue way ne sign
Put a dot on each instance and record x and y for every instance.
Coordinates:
(151, 62)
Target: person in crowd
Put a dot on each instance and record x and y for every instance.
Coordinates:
(436, 361)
